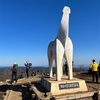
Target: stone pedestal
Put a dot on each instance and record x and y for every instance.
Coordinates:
(63, 86)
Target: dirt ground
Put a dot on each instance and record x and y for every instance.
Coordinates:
(20, 91)
(88, 79)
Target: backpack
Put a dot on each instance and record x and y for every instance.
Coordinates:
(30, 64)
(15, 66)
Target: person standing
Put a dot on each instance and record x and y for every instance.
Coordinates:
(99, 68)
(94, 69)
(27, 65)
(14, 72)
(66, 68)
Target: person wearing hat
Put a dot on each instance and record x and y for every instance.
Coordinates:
(94, 69)
(14, 72)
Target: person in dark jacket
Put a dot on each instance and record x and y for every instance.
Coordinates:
(66, 68)
(14, 72)
(99, 68)
(27, 65)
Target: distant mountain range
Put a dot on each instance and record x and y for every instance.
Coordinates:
(6, 73)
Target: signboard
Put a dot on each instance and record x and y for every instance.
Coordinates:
(68, 85)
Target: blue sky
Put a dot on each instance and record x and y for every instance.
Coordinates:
(28, 26)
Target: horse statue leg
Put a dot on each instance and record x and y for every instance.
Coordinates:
(58, 59)
(68, 57)
(50, 57)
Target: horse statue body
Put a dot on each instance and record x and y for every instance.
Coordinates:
(61, 48)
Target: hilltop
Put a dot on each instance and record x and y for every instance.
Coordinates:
(24, 89)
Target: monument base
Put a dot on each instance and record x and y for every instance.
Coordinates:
(63, 86)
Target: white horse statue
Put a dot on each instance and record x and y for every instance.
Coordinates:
(61, 47)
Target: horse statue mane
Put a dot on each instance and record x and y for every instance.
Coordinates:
(61, 47)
